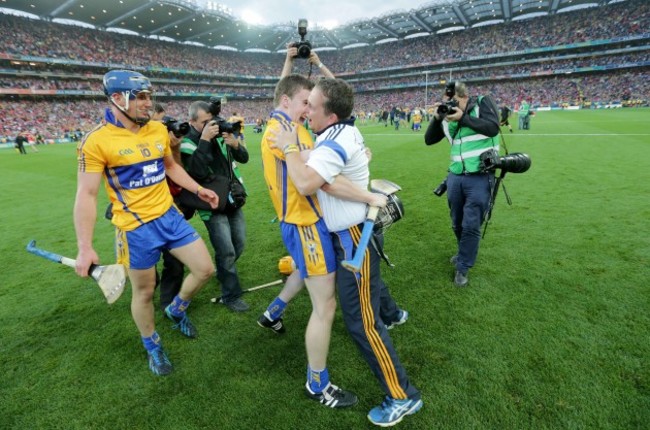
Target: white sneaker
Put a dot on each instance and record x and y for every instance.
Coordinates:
(403, 316)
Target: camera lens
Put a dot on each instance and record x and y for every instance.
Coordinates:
(183, 129)
(304, 49)
(516, 162)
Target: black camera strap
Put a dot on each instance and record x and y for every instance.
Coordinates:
(503, 141)
(228, 156)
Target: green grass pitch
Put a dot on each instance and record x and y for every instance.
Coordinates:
(552, 332)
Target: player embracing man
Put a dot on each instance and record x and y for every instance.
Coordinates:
(340, 151)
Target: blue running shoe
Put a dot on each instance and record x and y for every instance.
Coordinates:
(159, 363)
(391, 411)
(182, 323)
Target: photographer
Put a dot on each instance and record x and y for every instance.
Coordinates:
(208, 153)
(471, 125)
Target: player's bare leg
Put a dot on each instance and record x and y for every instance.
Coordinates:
(196, 257)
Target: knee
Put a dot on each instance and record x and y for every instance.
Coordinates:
(326, 310)
(204, 272)
(143, 295)
(226, 261)
(473, 232)
(329, 309)
(239, 250)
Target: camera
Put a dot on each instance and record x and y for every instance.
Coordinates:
(178, 128)
(441, 189)
(447, 107)
(224, 126)
(304, 46)
(517, 162)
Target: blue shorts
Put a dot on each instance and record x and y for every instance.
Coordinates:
(141, 248)
(310, 247)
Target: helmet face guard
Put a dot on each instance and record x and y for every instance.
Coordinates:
(387, 216)
(128, 84)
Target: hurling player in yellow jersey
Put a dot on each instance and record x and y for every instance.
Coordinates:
(307, 240)
(305, 236)
(134, 157)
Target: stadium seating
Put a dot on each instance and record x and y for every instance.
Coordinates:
(599, 55)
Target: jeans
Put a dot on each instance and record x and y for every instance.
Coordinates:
(227, 235)
(469, 199)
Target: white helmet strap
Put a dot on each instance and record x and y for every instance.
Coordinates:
(125, 109)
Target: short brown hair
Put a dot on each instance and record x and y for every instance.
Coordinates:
(289, 86)
(339, 97)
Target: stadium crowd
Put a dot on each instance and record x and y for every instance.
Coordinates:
(365, 84)
(26, 106)
(53, 119)
(20, 36)
(556, 90)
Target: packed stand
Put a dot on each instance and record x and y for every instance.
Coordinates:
(21, 36)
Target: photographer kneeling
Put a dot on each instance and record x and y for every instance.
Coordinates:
(207, 152)
(472, 126)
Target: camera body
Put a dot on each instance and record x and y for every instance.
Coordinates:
(179, 129)
(304, 46)
(447, 107)
(224, 126)
(517, 162)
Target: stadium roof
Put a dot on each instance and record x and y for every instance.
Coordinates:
(185, 21)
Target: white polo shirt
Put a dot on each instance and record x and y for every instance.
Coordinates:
(340, 150)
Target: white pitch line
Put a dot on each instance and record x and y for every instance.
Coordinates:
(528, 134)
(578, 134)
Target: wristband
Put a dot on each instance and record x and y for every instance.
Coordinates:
(198, 190)
(321, 65)
(292, 147)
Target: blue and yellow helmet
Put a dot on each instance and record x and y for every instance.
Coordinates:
(126, 82)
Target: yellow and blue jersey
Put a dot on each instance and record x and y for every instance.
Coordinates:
(133, 169)
(290, 206)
